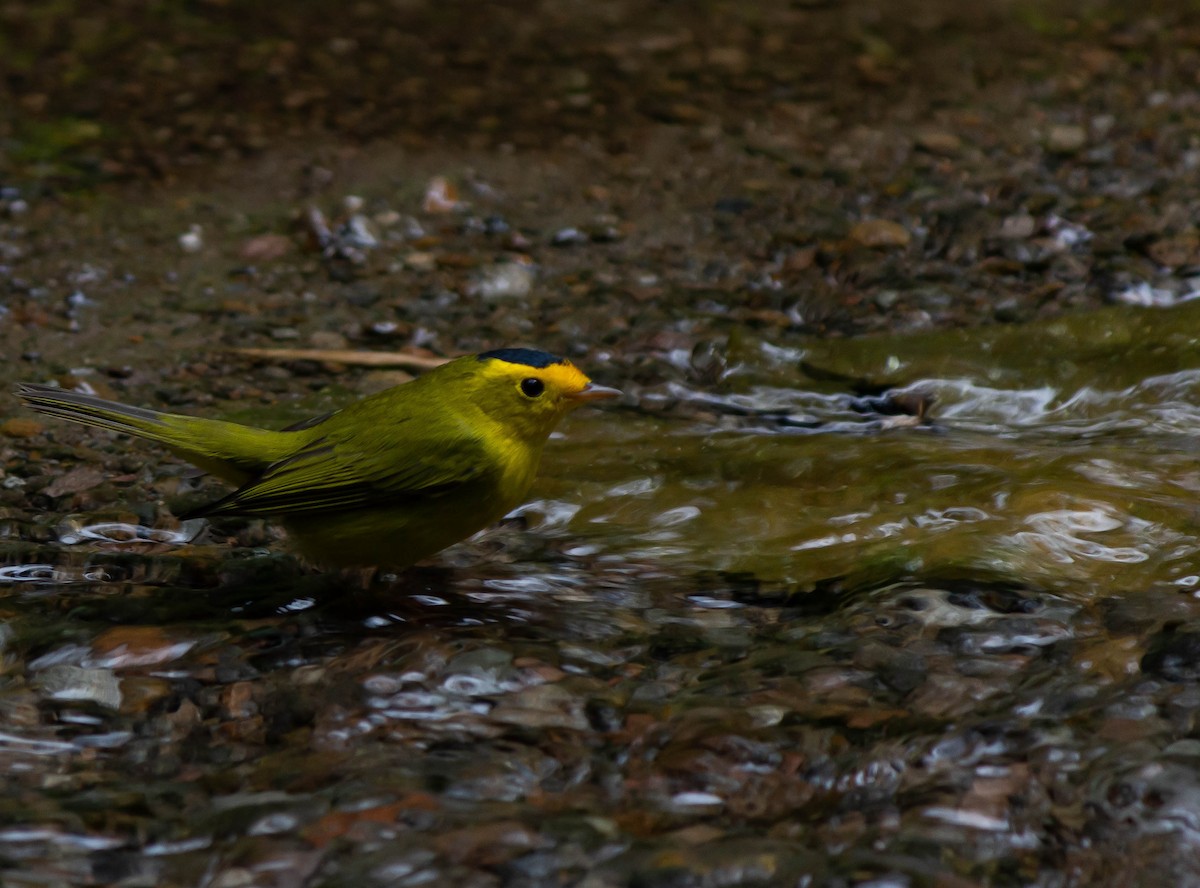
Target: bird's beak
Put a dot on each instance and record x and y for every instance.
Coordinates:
(593, 392)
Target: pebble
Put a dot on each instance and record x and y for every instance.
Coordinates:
(20, 427)
(885, 299)
(327, 339)
(880, 233)
(503, 280)
(266, 247)
(1174, 655)
(76, 480)
(1065, 138)
(130, 647)
(192, 240)
(65, 682)
(732, 57)
(441, 196)
(420, 261)
(568, 237)
(939, 142)
(541, 706)
(1177, 251)
(1018, 226)
(357, 233)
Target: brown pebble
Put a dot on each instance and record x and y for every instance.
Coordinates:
(77, 480)
(19, 427)
(266, 247)
(880, 233)
(237, 701)
(441, 196)
(939, 142)
(1066, 138)
(140, 692)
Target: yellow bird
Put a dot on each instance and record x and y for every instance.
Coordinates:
(387, 480)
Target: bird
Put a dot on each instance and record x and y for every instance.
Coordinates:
(385, 481)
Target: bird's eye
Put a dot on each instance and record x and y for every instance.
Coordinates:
(531, 387)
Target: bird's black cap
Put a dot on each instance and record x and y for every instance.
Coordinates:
(530, 357)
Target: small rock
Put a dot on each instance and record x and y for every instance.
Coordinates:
(74, 683)
(420, 261)
(141, 692)
(605, 233)
(568, 237)
(885, 299)
(1065, 138)
(1173, 655)
(1176, 251)
(20, 428)
(503, 280)
(880, 234)
(237, 701)
(939, 142)
(235, 877)
(440, 196)
(386, 329)
(731, 57)
(1018, 226)
(356, 232)
(542, 706)
(77, 480)
(131, 647)
(266, 247)
(1010, 310)
(192, 240)
(1145, 296)
(327, 339)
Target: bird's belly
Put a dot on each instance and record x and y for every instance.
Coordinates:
(394, 536)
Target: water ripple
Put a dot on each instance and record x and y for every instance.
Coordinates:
(117, 533)
(58, 574)
(1057, 534)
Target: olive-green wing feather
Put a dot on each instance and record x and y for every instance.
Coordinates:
(332, 475)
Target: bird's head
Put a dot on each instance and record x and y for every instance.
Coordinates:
(530, 390)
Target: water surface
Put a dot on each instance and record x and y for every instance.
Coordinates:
(747, 631)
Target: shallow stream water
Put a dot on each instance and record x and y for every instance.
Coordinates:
(749, 631)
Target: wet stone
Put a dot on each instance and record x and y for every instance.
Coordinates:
(1018, 227)
(542, 706)
(1066, 138)
(881, 234)
(76, 480)
(939, 142)
(66, 683)
(569, 237)
(21, 427)
(1173, 654)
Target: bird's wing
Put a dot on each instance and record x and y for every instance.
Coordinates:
(331, 475)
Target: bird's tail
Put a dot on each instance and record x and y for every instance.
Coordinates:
(228, 450)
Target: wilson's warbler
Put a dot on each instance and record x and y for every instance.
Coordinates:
(388, 480)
